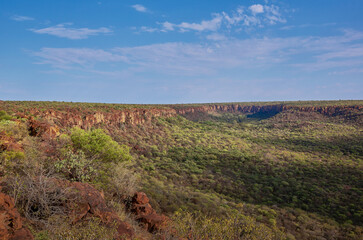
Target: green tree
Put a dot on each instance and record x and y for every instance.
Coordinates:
(96, 143)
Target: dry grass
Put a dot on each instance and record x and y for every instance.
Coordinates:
(124, 181)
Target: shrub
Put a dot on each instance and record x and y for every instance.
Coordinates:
(98, 143)
(237, 226)
(13, 129)
(37, 197)
(9, 160)
(76, 166)
(124, 182)
(4, 116)
(43, 235)
(64, 141)
(59, 228)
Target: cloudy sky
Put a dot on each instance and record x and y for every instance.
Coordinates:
(170, 51)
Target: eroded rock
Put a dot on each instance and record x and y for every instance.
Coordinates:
(11, 224)
(8, 143)
(146, 215)
(86, 201)
(42, 129)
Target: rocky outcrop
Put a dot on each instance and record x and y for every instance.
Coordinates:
(47, 122)
(53, 119)
(11, 224)
(146, 215)
(42, 128)
(89, 202)
(8, 143)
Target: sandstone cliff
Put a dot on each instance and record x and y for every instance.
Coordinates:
(50, 119)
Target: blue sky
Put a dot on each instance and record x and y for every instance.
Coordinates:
(181, 51)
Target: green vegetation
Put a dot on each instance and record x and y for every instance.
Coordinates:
(26, 106)
(61, 229)
(76, 166)
(4, 116)
(268, 175)
(97, 144)
(42, 106)
(33, 168)
(303, 161)
(235, 226)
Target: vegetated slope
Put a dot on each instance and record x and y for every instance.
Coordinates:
(295, 168)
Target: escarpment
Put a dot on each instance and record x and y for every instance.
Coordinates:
(47, 121)
(86, 120)
(273, 108)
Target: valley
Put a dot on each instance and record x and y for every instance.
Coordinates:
(265, 170)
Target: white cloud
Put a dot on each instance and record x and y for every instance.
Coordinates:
(348, 72)
(205, 25)
(61, 30)
(211, 25)
(348, 52)
(19, 18)
(216, 37)
(256, 8)
(259, 15)
(167, 26)
(149, 29)
(190, 59)
(70, 57)
(139, 8)
(273, 15)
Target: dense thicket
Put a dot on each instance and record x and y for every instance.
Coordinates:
(304, 163)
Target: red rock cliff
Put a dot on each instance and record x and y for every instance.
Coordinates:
(235, 108)
(52, 119)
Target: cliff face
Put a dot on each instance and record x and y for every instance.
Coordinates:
(86, 120)
(250, 109)
(52, 120)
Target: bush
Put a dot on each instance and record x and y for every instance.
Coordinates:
(59, 228)
(124, 182)
(76, 166)
(16, 130)
(237, 226)
(4, 116)
(9, 161)
(37, 197)
(97, 144)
